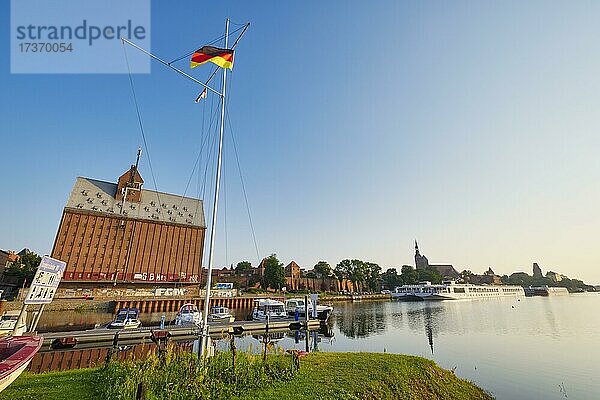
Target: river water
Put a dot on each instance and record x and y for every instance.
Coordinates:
(528, 348)
(532, 348)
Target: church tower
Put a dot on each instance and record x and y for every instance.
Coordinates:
(421, 261)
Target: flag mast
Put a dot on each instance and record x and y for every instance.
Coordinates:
(205, 331)
(213, 227)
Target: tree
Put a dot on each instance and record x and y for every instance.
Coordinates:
(466, 275)
(310, 274)
(429, 274)
(323, 269)
(390, 278)
(274, 275)
(409, 275)
(358, 274)
(342, 270)
(372, 276)
(25, 268)
(243, 268)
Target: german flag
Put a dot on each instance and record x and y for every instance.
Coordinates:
(222, 57)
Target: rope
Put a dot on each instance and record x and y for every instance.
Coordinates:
(237, 159)
(198, 158)
(225, 215)
(139, 117)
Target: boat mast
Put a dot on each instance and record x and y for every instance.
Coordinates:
(213, 228)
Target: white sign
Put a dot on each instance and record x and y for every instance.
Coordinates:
(46, 280)
(170, 292)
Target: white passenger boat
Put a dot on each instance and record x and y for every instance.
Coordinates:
(409, 292)
(267, 308)
(188, 315)
(545, 291)
(127, 318)
(220, 314)
(449, 290)
(297, 305)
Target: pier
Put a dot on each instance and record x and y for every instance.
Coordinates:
(83, 349)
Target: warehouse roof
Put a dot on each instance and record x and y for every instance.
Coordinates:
(99, 196)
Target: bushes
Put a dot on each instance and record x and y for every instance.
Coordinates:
(178, 375)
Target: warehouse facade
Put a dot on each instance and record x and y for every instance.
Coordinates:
(122, 233)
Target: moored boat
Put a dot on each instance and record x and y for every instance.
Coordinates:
(16, 352)
(450, 290)
(268, 308)
(220, 314)
(293, 306)
(545, 291)
(127, 318)
(409, 292)
(188, 315)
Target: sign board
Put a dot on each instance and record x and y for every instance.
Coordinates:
(223, 285)
(46, 280)
(170, 292)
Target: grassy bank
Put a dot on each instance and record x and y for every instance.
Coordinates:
(321, 376)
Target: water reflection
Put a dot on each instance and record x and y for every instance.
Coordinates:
(359, 322)
(514, 348)
(429, 327)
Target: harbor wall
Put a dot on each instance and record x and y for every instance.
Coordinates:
(145, 305)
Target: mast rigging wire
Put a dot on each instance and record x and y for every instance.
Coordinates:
(139, 117)
(237, 159)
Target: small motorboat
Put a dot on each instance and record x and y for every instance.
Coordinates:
(220, 314)
(188, 315)
(127, 318)
(16, 352)
(297, 305)
(268, 308)
(9, 321)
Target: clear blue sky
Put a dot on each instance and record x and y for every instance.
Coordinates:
(360, 126)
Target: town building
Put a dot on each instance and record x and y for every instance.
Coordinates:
(421, 262)
(3, 261)
(447, 271)
(489, 277)
(537, 271)
(122, 233)
(554, 276)
(292, 270)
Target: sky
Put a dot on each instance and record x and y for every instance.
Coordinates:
(359, 127)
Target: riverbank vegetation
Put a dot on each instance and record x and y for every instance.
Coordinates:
(176, 375)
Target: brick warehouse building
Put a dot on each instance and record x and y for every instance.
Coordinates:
(122, 233)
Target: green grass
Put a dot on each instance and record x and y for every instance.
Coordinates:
(80, 384)
(370, 376)
(322, 376)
